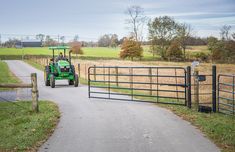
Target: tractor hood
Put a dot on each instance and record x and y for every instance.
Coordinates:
(63, 63)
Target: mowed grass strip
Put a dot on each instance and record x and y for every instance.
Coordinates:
(23, 130)
(5, 74)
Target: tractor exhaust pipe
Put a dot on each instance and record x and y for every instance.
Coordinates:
(70, 56)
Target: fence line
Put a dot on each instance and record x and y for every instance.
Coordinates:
(32, 85)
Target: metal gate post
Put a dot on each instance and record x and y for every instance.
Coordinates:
(214, 88)
(189, 98)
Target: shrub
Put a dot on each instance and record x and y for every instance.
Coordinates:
(202, 56)
(174, 50)
(131, 49)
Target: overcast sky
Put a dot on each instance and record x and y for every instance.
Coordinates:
(92, 18)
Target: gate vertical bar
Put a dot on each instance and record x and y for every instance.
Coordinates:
(157, 86)
(132, 77)
(89, 83)
(189, 98)
(151, 81)
(214, 88)
(109, 82)
(196, 88)
(104, 74)
(116, 72)
(218, 92)
(185, 87)
(233, 96)
(95, 72)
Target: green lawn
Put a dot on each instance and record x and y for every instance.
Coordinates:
(23, 130)
(5, 74)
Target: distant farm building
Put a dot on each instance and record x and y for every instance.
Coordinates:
(29, 43)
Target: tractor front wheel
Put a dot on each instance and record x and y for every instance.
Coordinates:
(71, 82)
(76, 80)
(52, 81)
(46, 74)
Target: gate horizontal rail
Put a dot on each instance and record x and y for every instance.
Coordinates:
(149, 84)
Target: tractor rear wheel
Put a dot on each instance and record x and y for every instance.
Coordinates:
(76, 81)
(52, 81)
(46, 74)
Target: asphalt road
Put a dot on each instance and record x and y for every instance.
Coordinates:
(94, 125)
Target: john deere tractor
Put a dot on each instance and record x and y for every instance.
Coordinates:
(60, 68)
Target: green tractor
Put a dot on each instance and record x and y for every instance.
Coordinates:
(60, 68)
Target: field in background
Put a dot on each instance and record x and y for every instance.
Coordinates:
(95, 52)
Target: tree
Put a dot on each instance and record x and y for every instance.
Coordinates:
(104, 41)
(108, 40)
(11, 43)
(184, 31)
(76, 38)
(224, 32)
(114, 40)
(49, 41)
(131, 49)
(174, 50)
(211, 42)
(136, 21)
(62, 38)
(40, 37)
(76, 47)
(233, 36)
(162, 30)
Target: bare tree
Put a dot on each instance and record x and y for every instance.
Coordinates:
(224, 32)
(136, 21)
(184, 31)
(40, 37)
(76, 38)
(62, 38)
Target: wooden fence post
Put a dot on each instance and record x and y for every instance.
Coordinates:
(35, 107)
(79, 69)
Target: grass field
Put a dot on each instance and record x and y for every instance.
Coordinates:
(94, 52)
(88, 51)
(23, 130)
(5, 74)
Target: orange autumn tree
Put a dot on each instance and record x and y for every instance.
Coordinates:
(76, 47)
(131, 49)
